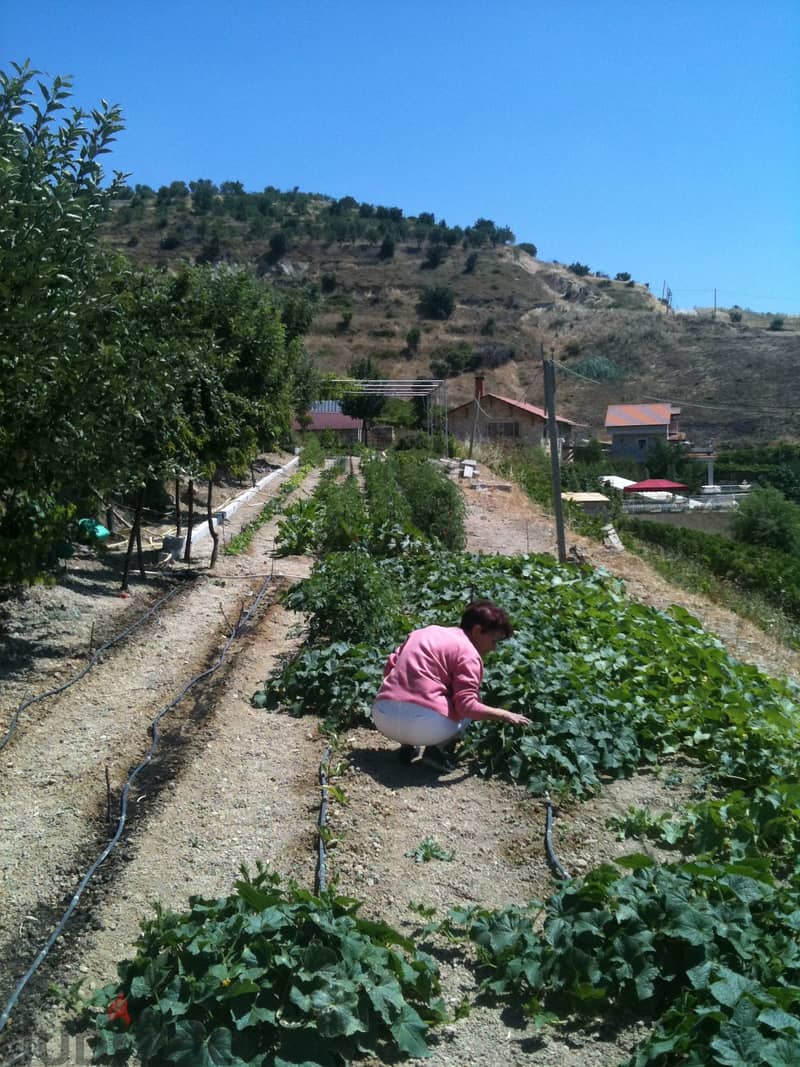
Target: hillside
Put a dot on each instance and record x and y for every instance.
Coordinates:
(365, 269)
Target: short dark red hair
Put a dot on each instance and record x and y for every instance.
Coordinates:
(488, 616)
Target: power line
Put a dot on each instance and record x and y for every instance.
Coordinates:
(737, 292)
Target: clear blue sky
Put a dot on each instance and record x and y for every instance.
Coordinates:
(661, 138)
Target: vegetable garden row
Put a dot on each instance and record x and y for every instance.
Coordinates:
(705, 948)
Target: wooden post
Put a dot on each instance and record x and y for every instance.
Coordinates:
(555, 467)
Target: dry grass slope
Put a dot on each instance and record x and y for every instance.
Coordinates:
(737, 382)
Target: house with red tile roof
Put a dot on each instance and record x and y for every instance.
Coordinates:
(492, 417)
(327, 415)
(635, 428)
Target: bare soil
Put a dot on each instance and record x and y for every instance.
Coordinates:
(233, 785)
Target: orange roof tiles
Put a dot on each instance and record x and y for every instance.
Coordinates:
(623, 415)
(540, 412)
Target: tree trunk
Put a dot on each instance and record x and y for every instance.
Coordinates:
(211, 530)
(177, 507)
(134, 537)
(138, 524)
(187, 553)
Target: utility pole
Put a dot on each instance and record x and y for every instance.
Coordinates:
(714, 314)
(555, 467)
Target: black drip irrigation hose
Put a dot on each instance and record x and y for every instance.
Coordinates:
(552, 859)
(322, 822)
(112, 844)
(95, 657)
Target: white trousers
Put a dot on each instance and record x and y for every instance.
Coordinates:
(411, 724)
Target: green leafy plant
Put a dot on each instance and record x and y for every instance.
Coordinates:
(268, 976)
(298, 529)
(241, 541)
(347, 598)
(709, 953)
(428, 850)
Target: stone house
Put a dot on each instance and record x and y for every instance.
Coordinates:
(500, 418)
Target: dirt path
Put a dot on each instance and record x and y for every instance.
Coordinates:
(235, 785)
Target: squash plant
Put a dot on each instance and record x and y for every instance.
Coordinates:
(270, 976)
(710, 953)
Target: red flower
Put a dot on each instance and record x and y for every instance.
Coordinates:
(118, 1009)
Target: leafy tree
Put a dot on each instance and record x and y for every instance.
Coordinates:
(55, 308)
(297, 313)
(242, 391)
(622, 276)
(665, 459)
(580, 269)
(528, 247)
(471, 263)
(413, 338)
(435, 255)
(776, 323)
(360, 405)
(278, 245)
(386, 250)
(436, 302)
(766, 517)
(203, 193)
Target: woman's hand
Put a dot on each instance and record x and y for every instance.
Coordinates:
(514, 719)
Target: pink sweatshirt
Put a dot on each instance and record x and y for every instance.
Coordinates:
(436, 667)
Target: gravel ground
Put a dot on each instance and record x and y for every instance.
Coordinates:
(235, 785)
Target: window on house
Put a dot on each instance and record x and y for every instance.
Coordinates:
(642, 442)
(503, 429)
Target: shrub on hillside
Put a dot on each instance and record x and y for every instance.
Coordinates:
(599, 368)
(278, 245)
(580, 269)
(767, 518)
(436, 302)
(492, 354)
(435, 255)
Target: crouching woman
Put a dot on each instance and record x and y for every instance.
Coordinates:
(432, 681)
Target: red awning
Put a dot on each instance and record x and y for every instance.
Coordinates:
(654, 485)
